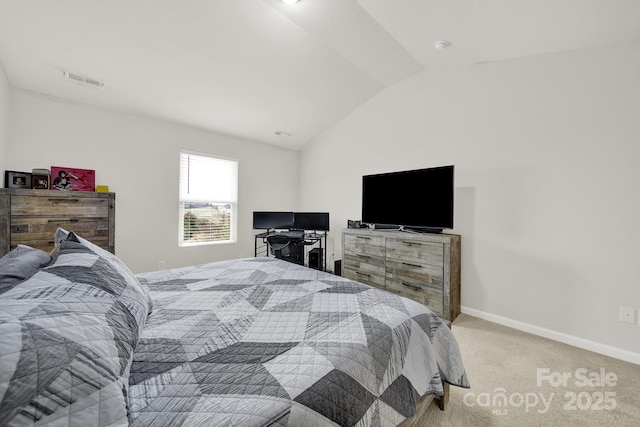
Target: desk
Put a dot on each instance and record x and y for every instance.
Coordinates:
(308, 240)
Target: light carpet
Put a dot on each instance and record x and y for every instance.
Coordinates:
(519, 379)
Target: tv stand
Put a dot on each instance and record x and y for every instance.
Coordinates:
(422, 266)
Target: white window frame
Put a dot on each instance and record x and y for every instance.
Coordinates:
(228, 195)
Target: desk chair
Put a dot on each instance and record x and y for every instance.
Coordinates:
(286, 248)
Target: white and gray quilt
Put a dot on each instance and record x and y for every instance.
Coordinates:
(68, 330)
(263, 342)
(249, 342)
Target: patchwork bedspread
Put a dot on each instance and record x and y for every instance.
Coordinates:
(260, 342)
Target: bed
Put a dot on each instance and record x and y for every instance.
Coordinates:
(246, 342)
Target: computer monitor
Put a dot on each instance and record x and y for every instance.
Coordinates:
(316, 221)
(270, 220)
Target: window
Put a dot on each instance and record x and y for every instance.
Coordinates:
(208, 199)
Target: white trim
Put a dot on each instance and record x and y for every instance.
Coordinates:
(607, 350)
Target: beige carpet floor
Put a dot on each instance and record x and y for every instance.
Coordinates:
(519, 379)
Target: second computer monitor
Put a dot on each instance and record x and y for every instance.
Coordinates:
(316, 221)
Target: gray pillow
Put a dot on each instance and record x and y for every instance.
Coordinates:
(20, 264)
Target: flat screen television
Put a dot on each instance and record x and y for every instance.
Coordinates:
(420, 199)
(263, 220)
(316, 221)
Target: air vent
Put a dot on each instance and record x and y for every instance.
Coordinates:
(83, 80)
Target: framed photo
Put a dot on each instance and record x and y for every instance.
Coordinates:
(15, 179)
(72, 179)
(39, 182)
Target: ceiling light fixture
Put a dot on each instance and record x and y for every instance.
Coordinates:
(442, 45)
(289, 1)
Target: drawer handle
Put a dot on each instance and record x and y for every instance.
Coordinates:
(363, 274)
(61, 200)
(63, 220)
(417, 288)
(411, 265)
(362, 256)
(363, 237)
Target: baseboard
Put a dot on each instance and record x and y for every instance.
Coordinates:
(607, 350)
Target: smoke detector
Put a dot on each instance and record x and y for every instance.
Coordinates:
(442, 45)
(83, 80)
(281, 134)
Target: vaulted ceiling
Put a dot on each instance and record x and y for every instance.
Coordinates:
(272, 72)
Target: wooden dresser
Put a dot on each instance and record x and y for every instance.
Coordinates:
(31, 217)
(423, 267)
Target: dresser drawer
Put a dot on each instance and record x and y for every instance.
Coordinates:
(36, 228)
(365, 269)
(415, 251)
(426, 276)
(364, 245)
(64, 205)
(47, 244)
(427, 296)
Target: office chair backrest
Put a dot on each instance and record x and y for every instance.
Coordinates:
(278, 245)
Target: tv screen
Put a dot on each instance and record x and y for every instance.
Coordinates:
(316, 221)
(272, 220)
(420, 199)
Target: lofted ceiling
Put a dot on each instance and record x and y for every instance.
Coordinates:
(256, 68)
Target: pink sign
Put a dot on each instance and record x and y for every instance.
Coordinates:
(73, 179)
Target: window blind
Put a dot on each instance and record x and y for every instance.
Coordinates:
(208, 179)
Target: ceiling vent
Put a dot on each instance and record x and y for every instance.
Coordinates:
(83, 80)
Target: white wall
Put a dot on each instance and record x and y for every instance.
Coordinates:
(547, 197)
(4, 122)
(138, 159)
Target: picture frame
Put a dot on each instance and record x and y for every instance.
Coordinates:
(72, 179)
(39, 181)
(16, 179)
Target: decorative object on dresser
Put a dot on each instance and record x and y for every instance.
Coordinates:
(73, 179)
(40, 179)
(31, 217)
(15, 179)
(422, 266)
